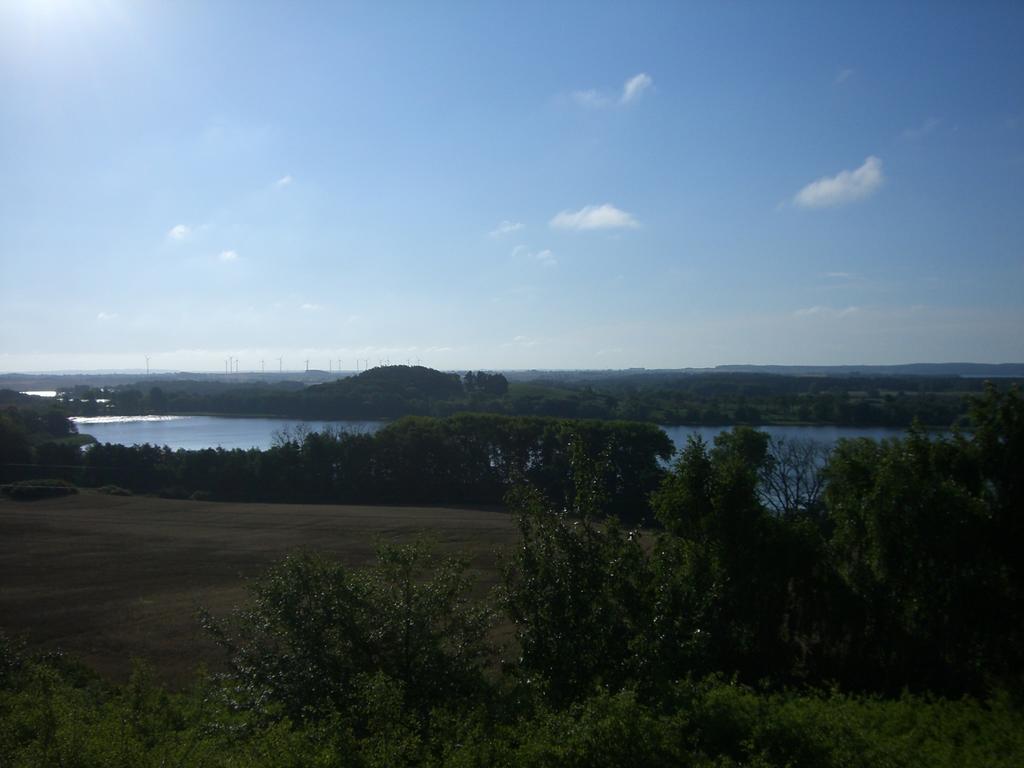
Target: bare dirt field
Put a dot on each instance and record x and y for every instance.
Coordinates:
(109, 578)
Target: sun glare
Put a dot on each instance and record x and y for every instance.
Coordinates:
(48, 13)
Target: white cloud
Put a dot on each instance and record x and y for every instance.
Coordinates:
(843, 76)
(920, 131)
(228, 256)
(309, 307)
(819, 311)
(102, 316)
(506, 227)
(840, 275)
(844, 187)
(631, 91)
(179, 232)
(591, 98)
(605, 216)
(810, 311)
(284, 181)
(635, 86)
(522, 341)
(546, 257)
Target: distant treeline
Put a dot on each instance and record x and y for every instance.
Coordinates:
(471, 458)
(699, 399)
(761, 398)
(35, 431)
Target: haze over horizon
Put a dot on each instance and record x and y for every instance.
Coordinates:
(509, 186)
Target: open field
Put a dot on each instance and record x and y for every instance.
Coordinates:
(110, 578)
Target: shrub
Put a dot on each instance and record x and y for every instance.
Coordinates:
(316, 630)
(114, 490)
(30, 490)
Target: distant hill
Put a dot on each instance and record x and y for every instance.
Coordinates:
(409, 382)
(972, 370)
(946, 370)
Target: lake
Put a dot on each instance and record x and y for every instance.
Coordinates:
(197, 432)
(826, 435)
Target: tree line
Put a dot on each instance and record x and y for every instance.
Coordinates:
(470, 458)
(698, 399)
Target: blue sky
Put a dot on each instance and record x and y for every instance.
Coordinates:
(509, 185)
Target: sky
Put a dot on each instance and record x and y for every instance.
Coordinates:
(509, 185)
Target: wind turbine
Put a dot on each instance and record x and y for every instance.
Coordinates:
(280, 365)
(147, 365)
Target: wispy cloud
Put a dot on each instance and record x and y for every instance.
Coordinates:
(843, 75)
(545, 257)
(522, 341)
(591, 98)
(844, 187)
(179, 232)
(839, 275)
(228, 256)
(506, 227)
(635, 86)
(819, 311)
(632, 89)
(605, 216)
(922, 130)
(104, 316)
(284, 181)
(310, 307)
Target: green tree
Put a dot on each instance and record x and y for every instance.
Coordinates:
(736, 577)
(928, 539)
(15, 447)
(315, 630)
(576, 591)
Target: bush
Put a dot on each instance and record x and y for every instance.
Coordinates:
(114, 490)
(30, 490)
(316, 632)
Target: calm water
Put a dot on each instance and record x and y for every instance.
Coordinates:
(195, 432)
(826, 435)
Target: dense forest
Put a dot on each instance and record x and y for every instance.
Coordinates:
(672, 399)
